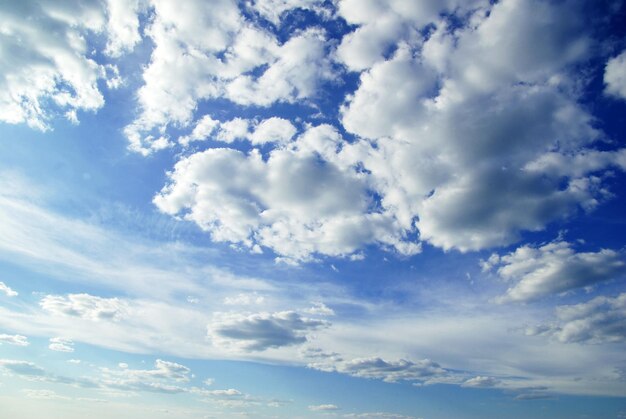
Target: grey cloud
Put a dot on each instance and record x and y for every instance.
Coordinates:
(391, 371)
(258, 332)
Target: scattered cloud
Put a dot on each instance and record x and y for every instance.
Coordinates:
(553, 268)
(17, 340)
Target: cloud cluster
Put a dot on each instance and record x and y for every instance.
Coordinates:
(305, 198)
(552, 268)
(261, 331)
(466, 127)
(242, 62)
(600, 320)
(485, 119)
(48, 68)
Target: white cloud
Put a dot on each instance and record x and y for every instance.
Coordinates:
(391, 371)
(204, 127)
(323, 407)
(301, 65)
(291, 202)
(273, 130)
(272, 10)
(122, 26)
(600, 320)
(615, 76)
(553, 268)
(481, 381)
(46, 68)
(17, 340)
(261, 331)
(454, 149)
(235, 129)
(7, 290)
(60, 344)
(85, 306)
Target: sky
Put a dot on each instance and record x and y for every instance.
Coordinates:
(380, 209)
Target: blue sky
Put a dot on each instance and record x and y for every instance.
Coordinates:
(305, 208)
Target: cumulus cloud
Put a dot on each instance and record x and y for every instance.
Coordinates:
(203, 128)
(552, 268)
(4, 288)
(47, 68)
(294, 202)
(600, 320)
(273, 130)
(60, 344)
(85, 306)
(615, 76)
(17, 340)
(261, 331)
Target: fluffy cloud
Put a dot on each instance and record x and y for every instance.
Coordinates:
(301, 200)
(600, 320)
(7, 290)
(258, 332)
(17, 340)
(122, 26)
(457, 146)
(554, 268)
(203, 128)
(59, 344)
(241, 62)
(615, 76)
(47, 68)
(86, 306)
(273, 130)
